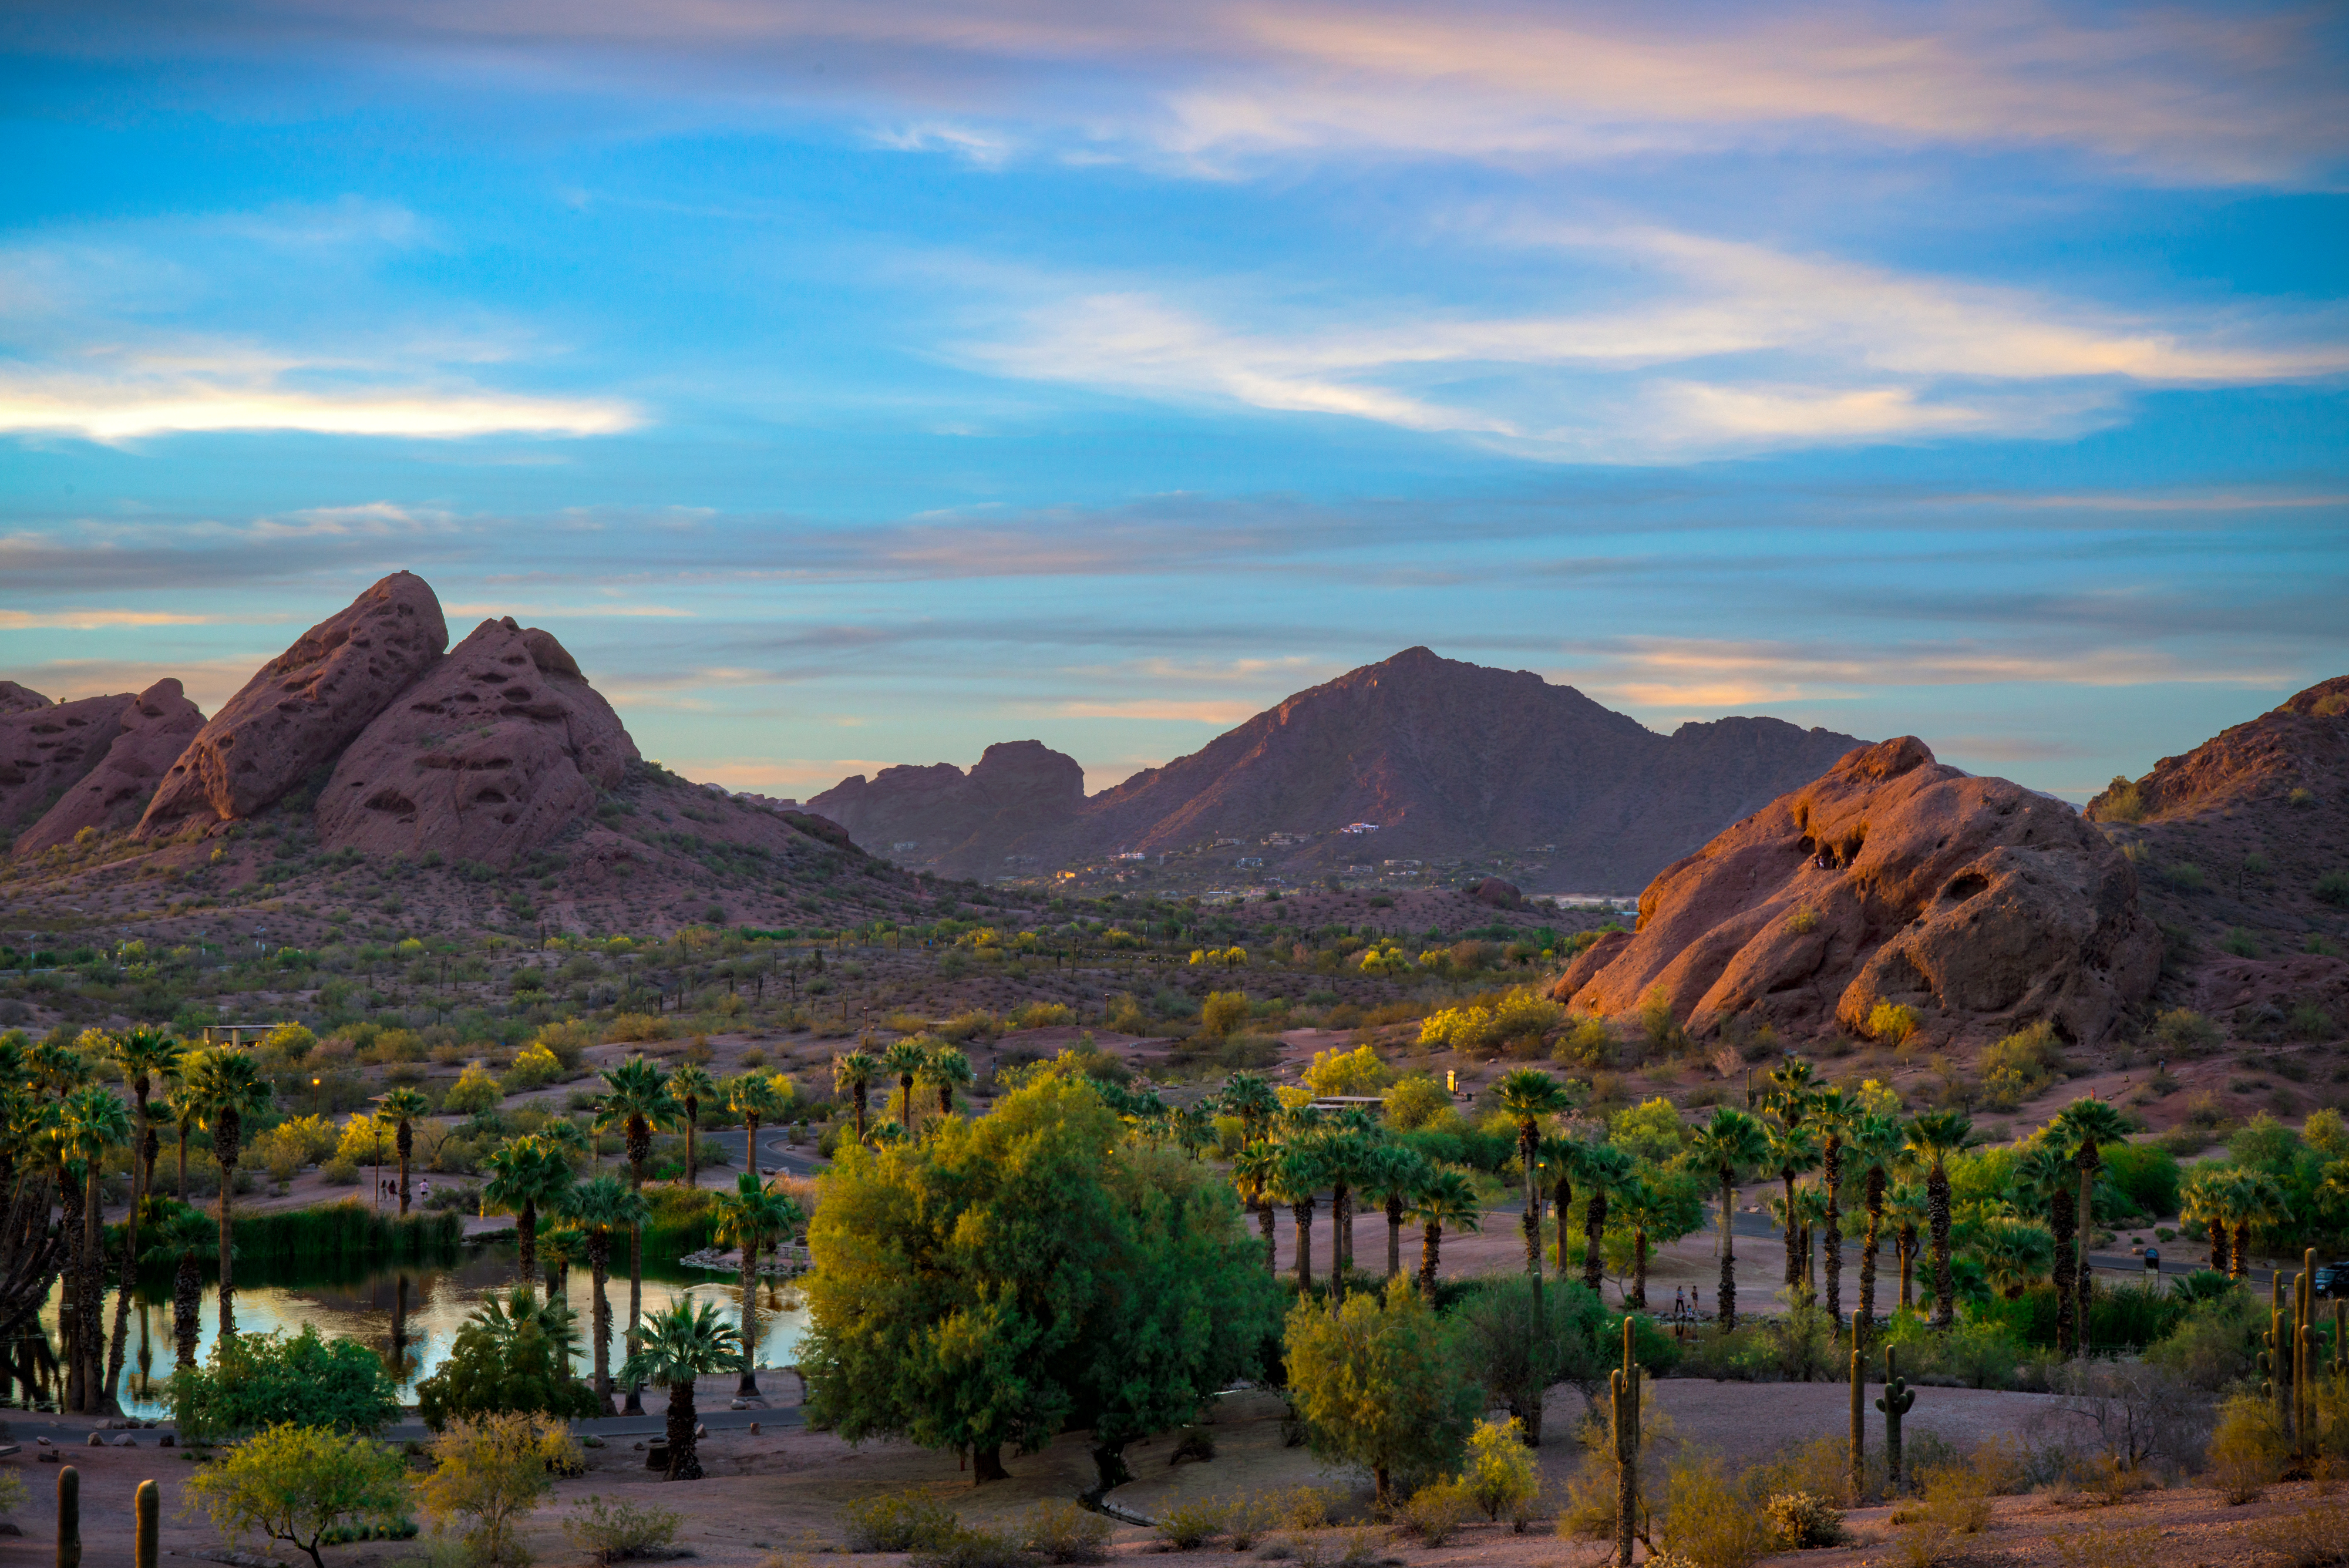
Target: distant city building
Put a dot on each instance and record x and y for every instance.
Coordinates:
(1359, 828)
(1249, 860)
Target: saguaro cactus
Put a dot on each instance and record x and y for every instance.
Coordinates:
(1895, 1401)
(1859, 1419)
(1625, 1382)
(69, 1517)
(146, 1552)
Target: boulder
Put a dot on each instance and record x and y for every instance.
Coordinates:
(303, 706)
(1497, 894)
(15, 699)
(156, 728)
(1893, 877)
(45, 750)
(500, 750)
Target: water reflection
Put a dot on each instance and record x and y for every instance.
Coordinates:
(407, 1316)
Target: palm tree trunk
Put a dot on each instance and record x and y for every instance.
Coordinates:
(1639, 1297)
(683, 1464)
(1869, 1247)
(96, 1395)
(2241, 1263)
(1341, 1227)
(1725, 1308)
(599, 1268)
(1937, 1209)
(406, 1140)
(634, 1405)
(181, 1150)
(1264, 1220)
(1561, 1203)
(692, 1131)
(1431, 1251)
(1532, 1224)
(861, 1092)
(187, 1302)
(70, 1189)
(1908, 1249)
(1395, 1234)
(748, 1388)
(2061, 1218)
(905, 1104)
(1831, 1246)
(2085, 1285)
(121, 1341)
(526, 1239)
(1594, 1233)
(399, 1329)
(227, 1252)
(1302, 1213)
(1794, 1242)
(752, 1122)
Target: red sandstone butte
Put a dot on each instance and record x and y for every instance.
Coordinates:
(156, 728)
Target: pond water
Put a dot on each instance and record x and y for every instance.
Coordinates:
(440, 1296)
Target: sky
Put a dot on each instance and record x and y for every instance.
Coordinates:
(850, 385)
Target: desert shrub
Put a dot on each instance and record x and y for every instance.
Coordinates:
(1355, 1072)
(1041, 1016)
(507, 1358)
(973, 1548)
(1500, 1476)
(2333, 889)
(2246, 1449)
(1805, 1519)
(1590, 1043)
(1128, 1017)
(12, 1492)
(489, 1475)
(1223, 1012)
(474, 1090)
(1803, 921)
(1891, 1023)
(1708, 1521)
(2121, 802)
(2308, 1537)
(618, 1530)
(1433, 1514)
(2020, 1065)
(2186, 1031)
(897, 1521)
(1955, 1503)
(1303, 1507)
(1186, 1525)
(2109, 1548)
(534, 1067)
(637, 1028)
(2184, 875)
(304, 1486)
(1061, 1531)
(1416, 1101)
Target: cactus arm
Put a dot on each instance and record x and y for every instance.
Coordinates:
(148, 1505)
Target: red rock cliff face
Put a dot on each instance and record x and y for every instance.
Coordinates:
(303, 707)
(48, 749)
(497, 752)
(1893, 877)
(1019, 788)
(155, 729)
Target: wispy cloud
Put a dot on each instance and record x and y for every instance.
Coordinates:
(135, 405)
(102, 619)
(1224, 713)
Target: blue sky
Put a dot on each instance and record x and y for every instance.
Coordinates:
(850, 385)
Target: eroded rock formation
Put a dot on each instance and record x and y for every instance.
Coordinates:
(45, 751)
(303, 706)
(15, 699)
(496, 752)
(1892, 877)
(154, 730)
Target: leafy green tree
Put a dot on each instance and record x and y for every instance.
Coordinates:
(1022, 1272)
(487, 1476)
(510, 1355)
(683, 1342)
(400, 1110)
(1733, 1141)
(298, 1483)
(1520, 1345)
(253, 1381)
(1382, 1384)
(754, 1217)
(691, 1086)
(227, 1087)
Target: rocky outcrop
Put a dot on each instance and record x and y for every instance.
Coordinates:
(498, 750)
(940, 815)
(45, 752)
(2301, 743)
(1979, 903)
(15, 699)
(154, 730)
(1496, 894)
(303, 706)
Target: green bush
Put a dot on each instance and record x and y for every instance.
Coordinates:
(615, 1531)
(1061, 1531)
(1187, 1526)
(2333, 887)
(2146, 1173)
(253, 1381)
(898, 1522)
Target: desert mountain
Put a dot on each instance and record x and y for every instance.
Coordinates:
(1978, 903)
(2243, 846)
(1450, 760)
(370, 742)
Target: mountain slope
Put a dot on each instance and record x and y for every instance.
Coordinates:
(1450, 759)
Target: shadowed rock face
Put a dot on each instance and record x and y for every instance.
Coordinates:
(1019, 788)
(155, 729)
(303, 706)
(15, 699)
(496, 752)
(46, 750)
(1893, 877)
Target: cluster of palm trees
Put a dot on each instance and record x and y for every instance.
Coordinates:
(918, 1060)
(2230, 1202)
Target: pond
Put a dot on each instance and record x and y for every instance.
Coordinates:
(441, 1295)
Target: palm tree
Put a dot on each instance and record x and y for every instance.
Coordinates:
(757, 1099)
(1642, 1202)
(947, 1069)
(1726, 1145)
(228, 1088)
(635, 1099)
(401, 1109)
(2260, 1202)
(601, 1208)
(1297, 1181)
(1346, 1160)
(853, 1075)
(906, 1058)
(1447, 1198)
(525, 1176)
(1247, 1097)
(1831, 1112)
(1904, 1207)
(1395, 1172)
(144, 1055)
(1255, 1175)
(2209, 1199)
(95, 1120)
(1871, 1148)
(185, 1240)
(1526, 1095)
(1933, 1137)
(2088, 1123)
(689, 1085)
(2014, 1252)
(521, 1312)
(560, 1245)
(2043, 1177)
(682, 1344)
(754, 1217)
(179, 1107)
(1604, 1171)
(1794, 1149)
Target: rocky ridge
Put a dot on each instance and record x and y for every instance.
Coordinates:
(1891, 879)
